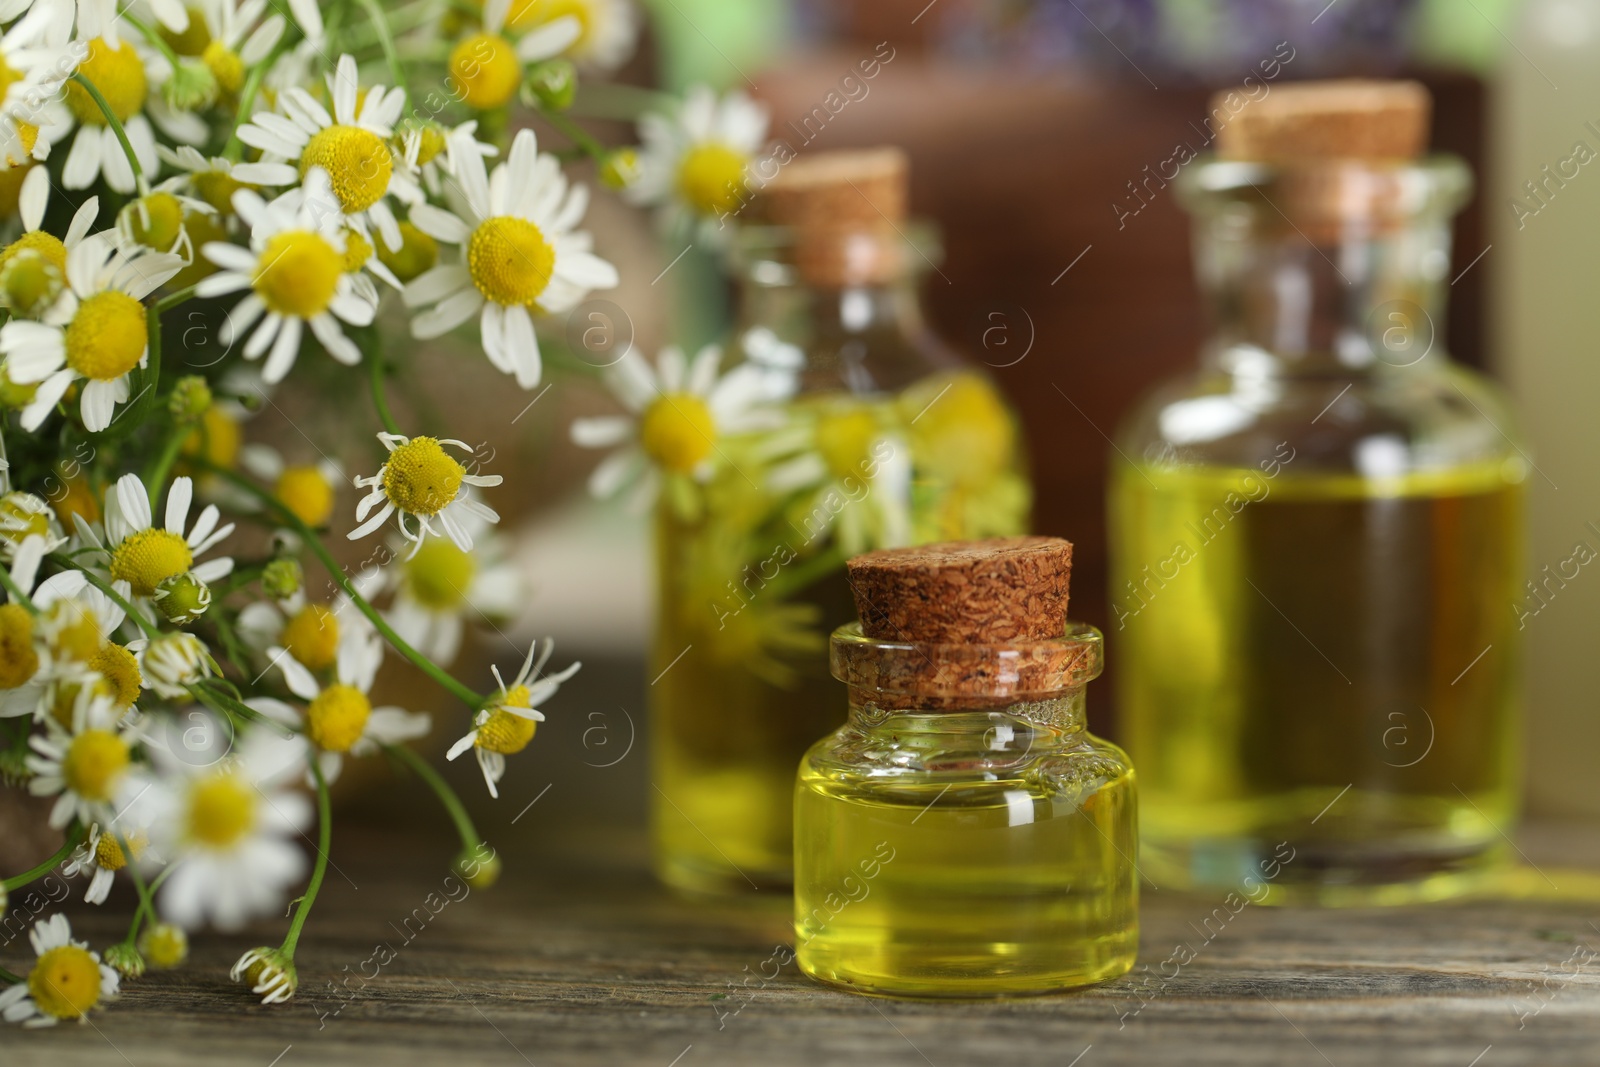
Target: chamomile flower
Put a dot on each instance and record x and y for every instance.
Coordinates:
(680, 410)
(67, 982)
(172, 662)
(308, 630)
(96, 332)
(24, 516)
(227, 828)
(84, 769)
(856, 473)
(33, 268)
(339, 717)
(306, 489)
(610, 28)
(440, 585)
(351, 144)
(161, 220)
(424, 151)
(269, 972)
(208, 178)
(240, 37)
(101, 856)
(694, 163)
(75, 623)
(35, 61)
(423, 481)
(20, 683)
(294, 269)
(124, 76)
(506, 724)
(149, 559)
(487, 65)
(520, 254)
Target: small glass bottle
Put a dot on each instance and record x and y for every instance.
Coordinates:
(1317, 537)
(890, 439)
(963, 835)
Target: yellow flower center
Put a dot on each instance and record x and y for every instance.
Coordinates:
(165, 946)
(418, 252)
(485, 66)
(76, 499)
(65, 983)
(430, 143)
(963, 435)
(221, 810)
(225, 65)
(108, 852)
(156, 221)
(106, 337)
(146, 558)
(30, 281)
(504, 732)
(94, 762)
(47, 245)
(74, 630)
(119, 669)
(336, 718)
(18, 660)
(357, 161)
(439, 574)
(28, 135)
(15, 395)
(509, 260)
(527, 13)
(357, 250)
(312, 636)
(304, 491)
(216, 188)
(193, 40)
(118, 72)
(711, 178)
(843, 439)
(677, 431)
(420, 478)
(216, 439)
(298, 273)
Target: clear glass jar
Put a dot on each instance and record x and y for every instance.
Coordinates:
(1316, 546)
(968, 845)
(890, 440)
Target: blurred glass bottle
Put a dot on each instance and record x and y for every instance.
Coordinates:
(1317, 536)
(888, 440)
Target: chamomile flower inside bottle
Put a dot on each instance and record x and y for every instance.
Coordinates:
(885, 437)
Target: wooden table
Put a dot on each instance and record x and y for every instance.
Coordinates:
(578, 958)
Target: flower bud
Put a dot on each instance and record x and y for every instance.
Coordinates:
(620, 169)
(165, 946)
(174, 661)
(183, 598)
(282, 578)
(554, 84)
(191, 87)
(190, 398)
(269, 973)
(125, 960)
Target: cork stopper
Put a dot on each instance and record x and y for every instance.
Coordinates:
(1322, 120)
(845, 208)
(965, 592)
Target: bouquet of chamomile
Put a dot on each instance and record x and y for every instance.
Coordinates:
(292, 177)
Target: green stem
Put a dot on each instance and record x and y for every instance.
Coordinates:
(288, 518)
(386, 39)
(172, 300)
(155, 474)
(575, 133)
(18, 881)
(324, 841)
(116, 126)
(105, 587)
(7, 976)
(146, 904)
(379, 400)
(17, 595)
(447, 796)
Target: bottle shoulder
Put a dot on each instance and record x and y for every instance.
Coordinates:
(1390, 423)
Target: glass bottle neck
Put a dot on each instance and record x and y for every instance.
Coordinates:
(1003, 726)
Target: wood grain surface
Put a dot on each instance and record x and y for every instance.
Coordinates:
(578, 958)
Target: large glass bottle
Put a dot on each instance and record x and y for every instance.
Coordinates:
(1317, 545)
(890, 440)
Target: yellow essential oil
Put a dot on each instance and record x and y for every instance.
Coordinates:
(751, 572)
(963, 835)
(1326, 660)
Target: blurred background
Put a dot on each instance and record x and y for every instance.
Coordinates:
(1029, 123)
